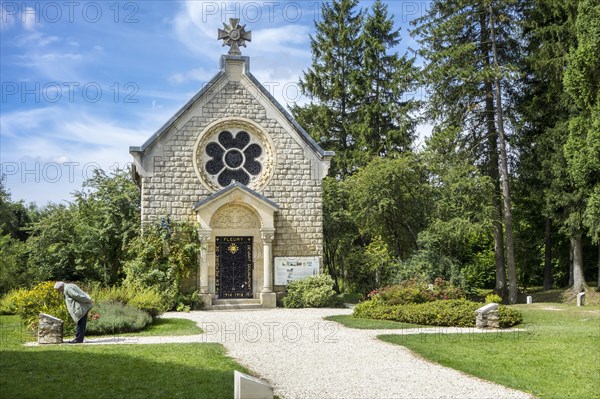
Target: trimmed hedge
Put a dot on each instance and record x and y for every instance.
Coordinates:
(115, 317)
(310, 292)
(412, 291)
(454, 312)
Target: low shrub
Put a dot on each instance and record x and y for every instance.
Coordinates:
(148, 299)
(8, 302)
(495, 298)
(509, 317)
(311, 292)
(453, 312)
(42, 298)
(189, 301)
(413, 291)
(115, 293)
(114, 317)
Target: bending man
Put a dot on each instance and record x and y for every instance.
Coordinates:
(78, 304)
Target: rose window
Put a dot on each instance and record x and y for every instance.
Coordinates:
(234, 150)
(233, 158)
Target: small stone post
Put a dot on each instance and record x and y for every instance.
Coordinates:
(487, 316)
(248, 387)
(50, 329)
(581, 299)
(529, 300)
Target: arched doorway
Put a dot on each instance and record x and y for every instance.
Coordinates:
(236, 232)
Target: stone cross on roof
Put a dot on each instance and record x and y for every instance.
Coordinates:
(234, 35)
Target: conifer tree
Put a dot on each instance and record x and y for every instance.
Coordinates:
(386, 120)
(582, 149)
(459, 74)
(544, 108)
(331, 83)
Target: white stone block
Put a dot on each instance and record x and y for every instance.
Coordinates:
(487, 308)
(248, 387)
(581, 299)
(529, 300)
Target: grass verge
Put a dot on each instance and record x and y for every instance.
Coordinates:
(162, 326)
(111, 371)
(556, 357)
(371, 324)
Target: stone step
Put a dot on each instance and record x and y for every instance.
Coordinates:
(236, 304)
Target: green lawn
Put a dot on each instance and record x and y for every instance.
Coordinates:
(371, 324)
(165, 327)
(558, 356)
(111, 371)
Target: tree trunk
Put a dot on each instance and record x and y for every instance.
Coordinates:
(578, 278)
(548, 256)
(598, 287)
(571, 264)
(510, 251)
(330, 262)
(493, 167)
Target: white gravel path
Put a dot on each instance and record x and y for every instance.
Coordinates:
(303, 356)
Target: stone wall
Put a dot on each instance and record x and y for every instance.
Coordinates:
(174, 187)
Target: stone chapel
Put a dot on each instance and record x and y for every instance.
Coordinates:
(236, 163)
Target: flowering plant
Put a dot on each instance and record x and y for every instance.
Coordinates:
(371, 294)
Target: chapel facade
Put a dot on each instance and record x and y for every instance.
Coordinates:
(234, 162)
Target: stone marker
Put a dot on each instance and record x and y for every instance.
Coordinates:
(248, 387)
(50, 329)
(581, 299)
(529, 300)
(487, 316)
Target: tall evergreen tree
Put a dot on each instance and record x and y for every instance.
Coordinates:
(386, 120)
(331, 83)
(558, 144)
(456, 44)
(582, 148)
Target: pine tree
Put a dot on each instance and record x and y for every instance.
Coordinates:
(544, 109)
(582, 148)
(457, 46)
(386, 120)
(331, 83)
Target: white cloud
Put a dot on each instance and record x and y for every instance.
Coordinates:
(11, 14)
(59, 133)
(196, 74)
(29, 19)
(7, 17)
(46, 153)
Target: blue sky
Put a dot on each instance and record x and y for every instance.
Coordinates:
(82, 81)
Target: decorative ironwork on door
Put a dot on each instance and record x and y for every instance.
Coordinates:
(233, 263)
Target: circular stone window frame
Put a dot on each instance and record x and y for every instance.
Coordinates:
(210, 133)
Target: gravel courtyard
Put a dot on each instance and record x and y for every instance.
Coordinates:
(304, 356)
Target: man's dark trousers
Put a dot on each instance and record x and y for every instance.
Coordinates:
(80, 330)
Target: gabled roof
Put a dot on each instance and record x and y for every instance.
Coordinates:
(182, 111)
(229, 189)
(165, 128)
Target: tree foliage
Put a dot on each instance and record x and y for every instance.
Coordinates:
(356, 84)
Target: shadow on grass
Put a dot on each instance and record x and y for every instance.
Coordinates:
(154, 371)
